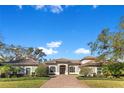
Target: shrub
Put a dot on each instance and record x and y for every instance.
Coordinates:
(16, 69)
(113, 69)
(41, 70)
(9, 71)
(116, 69)
(106, 71)
(15, 72)
(85, 71)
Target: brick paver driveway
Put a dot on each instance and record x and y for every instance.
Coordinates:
(64, 81)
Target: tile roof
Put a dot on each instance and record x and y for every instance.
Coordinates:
(63, 60)
(22, 62)
(89, 58)
(93, 63)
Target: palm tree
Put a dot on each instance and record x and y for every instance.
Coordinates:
(5, 70)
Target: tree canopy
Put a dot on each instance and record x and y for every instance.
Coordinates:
(109, 45)
(16, 52)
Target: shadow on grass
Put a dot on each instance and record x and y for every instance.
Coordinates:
(24, 78)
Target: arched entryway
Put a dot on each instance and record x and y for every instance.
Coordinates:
(62, 69)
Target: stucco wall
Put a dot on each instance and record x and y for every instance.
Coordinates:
(32, 69)
(77, 69)
(55, 69)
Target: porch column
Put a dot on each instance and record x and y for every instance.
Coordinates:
(66, 70)
(57, 70)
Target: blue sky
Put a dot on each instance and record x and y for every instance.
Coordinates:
(62, 31)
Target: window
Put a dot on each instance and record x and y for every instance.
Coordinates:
(99, 70)
(71, 69)
(52, 69)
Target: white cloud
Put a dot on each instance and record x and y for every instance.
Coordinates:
(54, 44)
(50, 47)
(48, 51)
(95, 6)
(82, 51)
(52, 8)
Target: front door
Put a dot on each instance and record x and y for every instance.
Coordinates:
(62, 69)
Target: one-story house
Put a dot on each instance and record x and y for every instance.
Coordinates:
(69, 66)
(63, 66)
(58, 66)
(28, 66)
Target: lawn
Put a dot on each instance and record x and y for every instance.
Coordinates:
(103, 82)
(22, 82)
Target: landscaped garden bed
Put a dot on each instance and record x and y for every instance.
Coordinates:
(100, 78)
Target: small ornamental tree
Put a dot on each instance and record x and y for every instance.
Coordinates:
(41, 70)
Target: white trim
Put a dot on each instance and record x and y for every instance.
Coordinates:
(55, 69)
(77, 69)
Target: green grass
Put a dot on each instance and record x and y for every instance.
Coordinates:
(24, 82)
(103, 83)
(100, 82)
